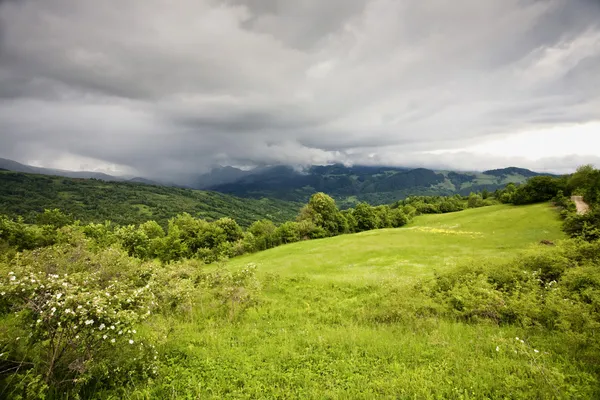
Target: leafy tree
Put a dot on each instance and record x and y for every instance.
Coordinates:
(232, 230)
(288, 232)
(323, 212)
(398, 218)
(152, 229)
(54, 217)
(134, 241)
(475, 200)
(384, 217)
(350, 220)
(366, 218)
(263, 233)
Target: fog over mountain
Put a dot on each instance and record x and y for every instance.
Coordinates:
(157, 88)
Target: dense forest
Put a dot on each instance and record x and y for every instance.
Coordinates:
(93, 200)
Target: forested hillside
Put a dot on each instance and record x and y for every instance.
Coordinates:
(92, 200)
(375, 185)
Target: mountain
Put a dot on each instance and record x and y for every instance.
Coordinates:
(11, 165)
(347, 184)
(504, 172)
(92, 200)
(376, 185)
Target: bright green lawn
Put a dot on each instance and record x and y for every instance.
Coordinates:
(320, 330)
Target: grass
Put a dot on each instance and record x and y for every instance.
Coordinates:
(318, 332)
(430, 242)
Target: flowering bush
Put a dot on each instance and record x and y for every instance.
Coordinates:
(69, 323)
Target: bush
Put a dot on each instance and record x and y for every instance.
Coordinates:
(75, 312)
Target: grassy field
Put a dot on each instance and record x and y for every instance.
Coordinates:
(430, 242)
(326, 326)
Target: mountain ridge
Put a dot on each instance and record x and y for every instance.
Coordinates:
(347, 184)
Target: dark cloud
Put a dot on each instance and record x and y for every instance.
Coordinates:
(168, 90)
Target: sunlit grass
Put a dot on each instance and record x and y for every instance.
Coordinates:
(315, 336)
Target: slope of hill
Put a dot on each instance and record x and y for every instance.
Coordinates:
(342, 324)
(126, 202)
(430, 242)
(376, 185)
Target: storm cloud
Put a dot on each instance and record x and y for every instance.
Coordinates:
(162, 88)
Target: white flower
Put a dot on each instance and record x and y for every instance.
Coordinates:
(12, 278)
(134, 331)
(58, 296)
(38, 321)
(120, 332)
(112, 340)
(11, 273)
(101, 326)
(89, 322)
(53, 309)
(112, 327)
(497, 348)
(104, 337)
(68, 311)
(536, 350)
(77, 337)
(517, 338)
(130, 341)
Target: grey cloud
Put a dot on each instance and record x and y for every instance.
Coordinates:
(165, 89)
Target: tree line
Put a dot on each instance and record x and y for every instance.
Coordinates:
(188, 237)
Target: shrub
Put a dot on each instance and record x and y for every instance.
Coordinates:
(73, 308)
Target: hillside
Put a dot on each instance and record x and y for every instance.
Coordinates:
(342, 324)
(92, 200)
(468, 304)
(375, 185)
(347, 184)
(430, 242)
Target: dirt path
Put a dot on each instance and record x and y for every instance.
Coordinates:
(581, 205)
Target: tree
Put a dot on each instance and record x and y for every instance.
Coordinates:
(54, 217)
(288, 232)
(323, 212)
(232, 230)
(152, 229)
(474, 201)
(366, 218)
(263, 234)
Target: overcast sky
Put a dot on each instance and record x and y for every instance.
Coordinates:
(163, 87)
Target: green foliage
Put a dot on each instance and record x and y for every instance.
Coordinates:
(322, 211)
(587, 181)
(71, 309)
(366, 217)
(125, 203)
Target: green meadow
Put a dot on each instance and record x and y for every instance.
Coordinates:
(432, 242)
(338, 319)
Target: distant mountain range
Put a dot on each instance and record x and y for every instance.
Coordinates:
(10, 165)
(374, 184)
